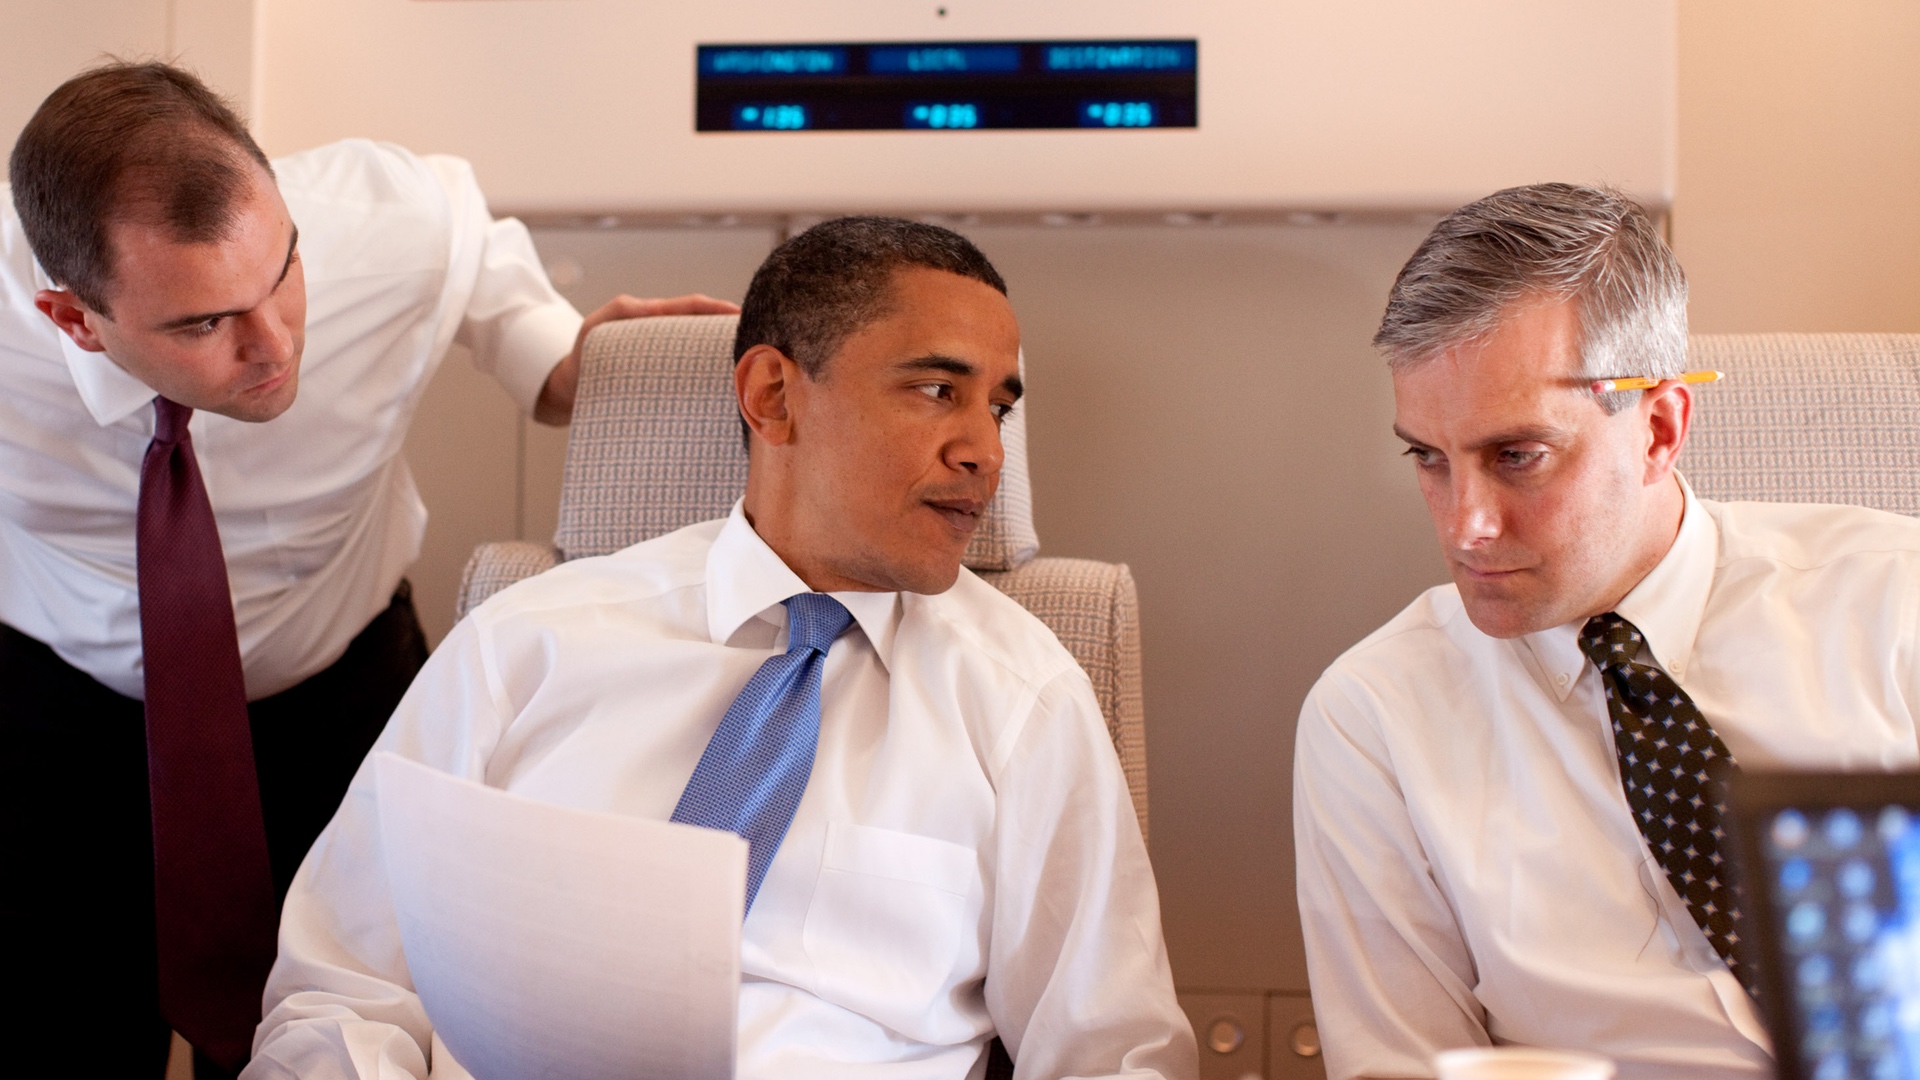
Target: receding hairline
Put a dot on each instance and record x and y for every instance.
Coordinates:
(141, 204)
(139, 192)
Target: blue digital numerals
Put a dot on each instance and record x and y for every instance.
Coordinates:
(944, 115)
(770, 118)
(1113, 114)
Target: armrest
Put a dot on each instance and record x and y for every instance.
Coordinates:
(496, 565)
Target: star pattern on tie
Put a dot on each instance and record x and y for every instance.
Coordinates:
(1674, 769)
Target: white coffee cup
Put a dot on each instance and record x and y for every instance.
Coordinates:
(1519, 1063)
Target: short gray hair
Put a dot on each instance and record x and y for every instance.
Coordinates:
(1552, 241)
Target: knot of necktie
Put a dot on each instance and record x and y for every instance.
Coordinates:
(170, 420)
(815, 621)
(1609, 640)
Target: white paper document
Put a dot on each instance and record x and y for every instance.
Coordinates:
(546, 941)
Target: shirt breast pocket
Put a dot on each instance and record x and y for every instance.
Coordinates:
(893, 921)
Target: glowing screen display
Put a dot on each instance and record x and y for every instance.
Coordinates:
(1846, 885)
(1829, 870)
(948, 86)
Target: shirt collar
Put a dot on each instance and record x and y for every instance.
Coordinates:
(110, 394)
(1667, 604)
(747, 580)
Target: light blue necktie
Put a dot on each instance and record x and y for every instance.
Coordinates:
(755, 768)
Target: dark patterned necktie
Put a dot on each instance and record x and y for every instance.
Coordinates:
(756, 766)
(1675, 771)
(214, 911)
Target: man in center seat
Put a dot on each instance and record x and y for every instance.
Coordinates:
(942, 850)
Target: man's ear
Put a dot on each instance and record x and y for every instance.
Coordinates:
(1668, 409)
(763, 381)
(70, 315)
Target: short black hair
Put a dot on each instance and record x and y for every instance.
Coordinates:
(122, 141)
(821, 286)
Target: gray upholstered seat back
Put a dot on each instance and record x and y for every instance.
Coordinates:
(1808, 418)
(665, 428)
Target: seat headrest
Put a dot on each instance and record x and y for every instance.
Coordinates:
(1831, 418)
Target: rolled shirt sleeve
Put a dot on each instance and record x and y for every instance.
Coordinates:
(516, 325)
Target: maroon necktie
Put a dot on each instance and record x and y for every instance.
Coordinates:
(213, 899)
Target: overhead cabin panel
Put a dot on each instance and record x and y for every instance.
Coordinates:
(741, 106)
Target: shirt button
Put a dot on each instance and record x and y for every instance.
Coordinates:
(1560, 679)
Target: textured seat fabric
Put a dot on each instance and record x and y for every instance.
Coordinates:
(1831, 418)
(656, 446)
(499, 564)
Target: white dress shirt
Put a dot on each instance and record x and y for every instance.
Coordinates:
(317, 511)
(965, 860)
(1469, 871)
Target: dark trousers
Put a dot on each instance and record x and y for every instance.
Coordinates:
(76, 834)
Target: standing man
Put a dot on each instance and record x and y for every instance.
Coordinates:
(1507, 800)
(203, 527)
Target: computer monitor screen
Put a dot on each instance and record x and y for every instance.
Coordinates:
(948, 86)
(1831, 871)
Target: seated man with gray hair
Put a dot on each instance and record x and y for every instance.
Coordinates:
(1507, 800)
(942, 845)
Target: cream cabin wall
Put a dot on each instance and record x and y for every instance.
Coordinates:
(1205, 407)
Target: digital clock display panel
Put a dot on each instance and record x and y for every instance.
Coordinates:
(948, 86)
